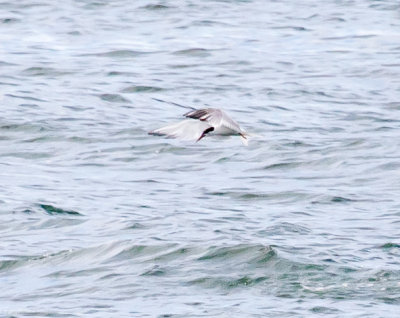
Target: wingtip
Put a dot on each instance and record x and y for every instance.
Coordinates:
(155, 133)
(197, 114)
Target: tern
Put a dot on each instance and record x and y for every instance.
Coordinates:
(210, 120)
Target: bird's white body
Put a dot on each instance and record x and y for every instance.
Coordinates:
(224, 131)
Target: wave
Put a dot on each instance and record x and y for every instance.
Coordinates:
(225, 268)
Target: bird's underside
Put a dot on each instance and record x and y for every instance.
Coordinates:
(190, 130)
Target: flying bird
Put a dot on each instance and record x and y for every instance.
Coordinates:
(209, 121)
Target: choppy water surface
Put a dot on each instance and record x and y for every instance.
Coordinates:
(98, 219)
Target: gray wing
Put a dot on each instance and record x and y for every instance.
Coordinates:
(215, 117)
(185, 130)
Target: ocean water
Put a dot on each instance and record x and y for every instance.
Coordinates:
(99, 219)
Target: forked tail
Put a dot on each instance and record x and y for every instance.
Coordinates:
(244, 137)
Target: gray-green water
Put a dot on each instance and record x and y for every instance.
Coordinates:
(98, 219)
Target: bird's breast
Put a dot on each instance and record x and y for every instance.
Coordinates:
(222, 130)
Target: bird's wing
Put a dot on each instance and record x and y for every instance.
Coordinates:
(215, 117)
(185, 130)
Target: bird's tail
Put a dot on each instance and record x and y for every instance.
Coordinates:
(244, 137)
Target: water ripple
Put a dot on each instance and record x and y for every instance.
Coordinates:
(100, 219)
